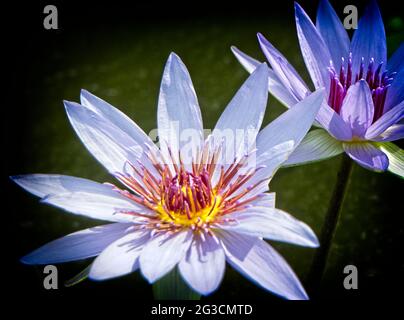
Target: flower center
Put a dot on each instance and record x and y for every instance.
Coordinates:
(341, 81)
(188, 199)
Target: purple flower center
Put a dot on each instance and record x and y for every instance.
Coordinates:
(341, 81)
(187, 192)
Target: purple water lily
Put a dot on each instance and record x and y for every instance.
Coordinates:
(365, 106)
(180, 208)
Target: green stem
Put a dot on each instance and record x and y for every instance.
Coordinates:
(330, 223)
(173, 287)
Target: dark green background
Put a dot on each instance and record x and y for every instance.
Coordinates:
(118, 53)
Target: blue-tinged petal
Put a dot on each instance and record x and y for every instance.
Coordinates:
(260, 263)
(317, 145)
(80, 196)
(388, 119)
(367, 155)
(396, 61)
(249, 63)
(120, 257)
(275, 86)
(292, 125)
(107, 142)
(395, 93)
(265, 200)
(204, 264)
(42, 185)
(333, 123)
(117, 117)
(315, 52)
(242, 118)
(357, 108)
(162, 253)
(283, 69)
(178, 116)
(333, 32)
(369, 40)
(104, 205)
(272, 224)
(393, 133)
(396, 157)
(266, 164)
(78, 245)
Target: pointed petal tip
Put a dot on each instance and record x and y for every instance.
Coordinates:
(315, 243)
(150, 278)
(173, 56)
(298, 8)
(94, 276)
(18, 179)
(262, 70)
(85, 92)
(29, 260)
(236, 51)
(24, 260)
(69, 104)
(261, 39)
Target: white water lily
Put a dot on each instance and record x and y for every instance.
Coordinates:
(192, 211)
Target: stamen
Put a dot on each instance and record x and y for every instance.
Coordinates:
(341, 81)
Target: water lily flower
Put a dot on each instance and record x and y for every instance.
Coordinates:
(364, 106)
(179, 206)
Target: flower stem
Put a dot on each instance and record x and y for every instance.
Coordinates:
(172, 287)
(328, 230)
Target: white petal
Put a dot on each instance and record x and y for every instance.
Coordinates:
(243, 116)
(162, 253)
(179, 116)
(267, 165)
(265, 200)
(119, 258)
(108, 206)
(117, 117)
(78, 245)
(43, 185)
(273, 224)
(292, 125)
(249, 63)
(260, 263)
(203, 266)
(110, 145)
(275, 86)
(316, 145)
(80, 196)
